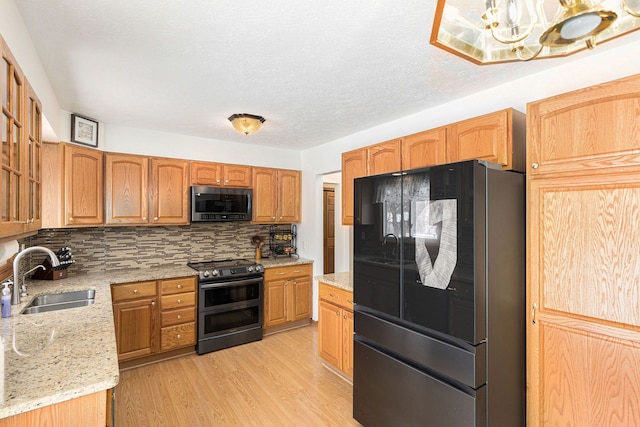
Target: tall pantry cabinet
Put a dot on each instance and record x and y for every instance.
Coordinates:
(583, 274)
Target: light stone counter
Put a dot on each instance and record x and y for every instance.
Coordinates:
(61, 355)
(339, 280)
(283, 261)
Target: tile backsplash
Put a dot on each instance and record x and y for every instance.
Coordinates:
(101, 249)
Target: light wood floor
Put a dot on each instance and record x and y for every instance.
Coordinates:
(279, 381)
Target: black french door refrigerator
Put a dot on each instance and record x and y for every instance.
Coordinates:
(439, 291)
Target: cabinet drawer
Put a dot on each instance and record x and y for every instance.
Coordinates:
(136, 290)
(175, 317)
(287, 272)
(178, 336)
(337, 296)
(178, 300)
(176, 286)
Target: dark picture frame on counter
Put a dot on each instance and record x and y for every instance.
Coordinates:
(84, 130)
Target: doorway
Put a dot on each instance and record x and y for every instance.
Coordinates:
(329, 226)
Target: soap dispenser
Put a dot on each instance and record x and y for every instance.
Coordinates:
(6, 299)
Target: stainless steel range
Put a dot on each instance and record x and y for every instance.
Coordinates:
(229, 303)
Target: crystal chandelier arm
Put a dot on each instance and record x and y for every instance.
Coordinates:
(510, 22)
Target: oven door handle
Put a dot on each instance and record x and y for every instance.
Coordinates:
(206, 286)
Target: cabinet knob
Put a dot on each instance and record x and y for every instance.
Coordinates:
(179, 316)
(337, 313)
(153, 303)
(534, 166)
(70, 219)
(179, 286)
(179, 301)
(218, 181)
(155, 218)
(178, 336)
(226, 181)
(144, 218)
(344, 317)
(135, 291)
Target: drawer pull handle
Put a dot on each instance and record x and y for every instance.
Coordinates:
(281, 273)
(297, 271)
(135, 291)
(333, 296)
(350, 301)
(179, 286)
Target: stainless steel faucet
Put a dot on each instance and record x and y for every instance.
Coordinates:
(15, 297)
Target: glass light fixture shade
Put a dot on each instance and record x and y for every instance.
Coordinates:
(472, 29)
(246, 123)
(577, 22)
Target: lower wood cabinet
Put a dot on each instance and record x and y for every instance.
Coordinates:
(153, 317)
(335, 327)
(287, 296)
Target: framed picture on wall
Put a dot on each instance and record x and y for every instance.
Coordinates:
(84, 130)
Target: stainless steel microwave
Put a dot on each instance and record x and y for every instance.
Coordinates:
(221, 204)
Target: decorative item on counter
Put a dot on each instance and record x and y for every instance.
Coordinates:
(257, 243)
(54, 273)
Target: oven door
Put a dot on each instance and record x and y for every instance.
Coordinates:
(229, 306)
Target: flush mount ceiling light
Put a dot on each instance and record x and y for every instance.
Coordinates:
(246, 123)
(510, 30)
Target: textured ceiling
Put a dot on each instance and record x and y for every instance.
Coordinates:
(317, 71)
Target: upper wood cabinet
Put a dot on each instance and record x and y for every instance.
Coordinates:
(220, 174)
(83, 188)
(277, 195)
(424, 149)
(20, 181)
(384, 157)
(169, 187)
(587, 130)
(583, 207)
(496, 137)
(354, 165)
(126, 189)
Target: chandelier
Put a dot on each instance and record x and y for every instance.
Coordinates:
(510, 30)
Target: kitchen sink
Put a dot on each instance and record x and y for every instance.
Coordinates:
(54, 302)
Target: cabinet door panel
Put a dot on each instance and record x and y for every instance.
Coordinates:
(329, 333)
(83, 186)
(237, 175)
(585, 130)
(347, 342)
(483, 137)
(275, 297)
(206, 173)
(424, 149)
(301, 298)
(127, 197)
(289, 196)
(384, 157)
(264, 195)
(170, 191)
(34, 162)
(135, 325)
(354, 165)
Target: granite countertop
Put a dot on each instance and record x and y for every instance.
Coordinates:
(283, 261)
(56, 356)
(339, 280)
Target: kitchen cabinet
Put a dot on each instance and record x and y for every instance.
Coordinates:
(21, 116)
(372, 160)
(424, 149)
(135, 315)
(497, 137)
(72, 186)
(126, 189)
(335, 327)
(277, 195)
(141, 190)
(220, 174)
(84, 411)
(178, 315)
(154, 317)
(287, 297)
(583, 198)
